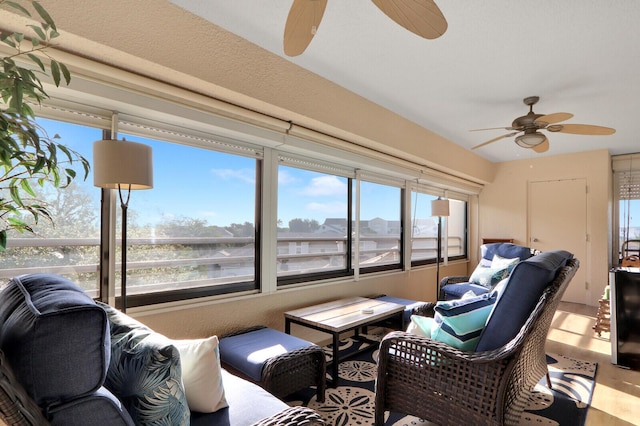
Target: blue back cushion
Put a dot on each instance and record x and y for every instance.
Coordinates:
(526, 284)
(55, 337)
(506, 250)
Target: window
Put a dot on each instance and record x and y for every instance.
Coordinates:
(313, 224)
(194, 233)
(626, 207)
(457, 229)
(198, 232)
(380, 230)
(69, 246)
(424, 229)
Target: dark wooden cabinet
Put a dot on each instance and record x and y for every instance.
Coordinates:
(625, 317)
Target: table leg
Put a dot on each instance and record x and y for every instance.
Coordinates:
(336, 361)
(287, 326)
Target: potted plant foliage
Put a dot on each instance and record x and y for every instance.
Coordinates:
(29, 157)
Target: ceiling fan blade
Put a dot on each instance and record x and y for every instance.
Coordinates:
(581, 129)
(554, 118)
(302, 23)
(421, 17)
(508, 135)
(493, 128)
(542, 147)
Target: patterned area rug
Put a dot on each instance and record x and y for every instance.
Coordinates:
(353, 401)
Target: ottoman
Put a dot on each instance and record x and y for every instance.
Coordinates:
(278, 362)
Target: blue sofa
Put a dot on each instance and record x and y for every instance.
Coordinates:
(57, 367)
(454, 287)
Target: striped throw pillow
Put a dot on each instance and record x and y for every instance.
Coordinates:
(461, 321)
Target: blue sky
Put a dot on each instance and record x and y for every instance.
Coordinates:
(219, 188)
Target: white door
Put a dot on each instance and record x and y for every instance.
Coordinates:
(558, 220)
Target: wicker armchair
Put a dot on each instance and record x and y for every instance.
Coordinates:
(431, 380)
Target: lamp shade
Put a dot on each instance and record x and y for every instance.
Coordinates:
(439, 207)
(122, 163)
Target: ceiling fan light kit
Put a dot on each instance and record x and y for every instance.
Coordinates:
(531, 123)
(529, 140)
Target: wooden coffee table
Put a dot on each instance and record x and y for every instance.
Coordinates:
(341, 316)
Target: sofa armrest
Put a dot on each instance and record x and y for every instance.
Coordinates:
(301, 416)
(16, 407)
(454, 279)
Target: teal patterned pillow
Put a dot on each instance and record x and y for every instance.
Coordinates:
(459, 323)
(145, 373)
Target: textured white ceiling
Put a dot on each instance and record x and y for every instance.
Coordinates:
(579, 56)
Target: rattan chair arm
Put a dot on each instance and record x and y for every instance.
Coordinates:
(293, 416)
(400, 340)
(454, 279)
(16, 407)
(242, 331)
(425, 310)
(280, 373)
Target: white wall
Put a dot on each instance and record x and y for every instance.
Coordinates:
(503, 206)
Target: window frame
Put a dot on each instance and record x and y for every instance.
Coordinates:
(182, 111)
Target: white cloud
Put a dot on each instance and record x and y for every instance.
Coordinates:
(286, 178)
(328, 208)
(243, 175)
(325, 186)
(208, 214)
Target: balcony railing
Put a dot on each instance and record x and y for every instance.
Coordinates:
(159, 264)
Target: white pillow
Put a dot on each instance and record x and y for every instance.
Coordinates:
(499, 262)
(201, 376)
(421, 325)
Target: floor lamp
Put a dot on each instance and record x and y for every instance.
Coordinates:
(124, 166)
(439, 208)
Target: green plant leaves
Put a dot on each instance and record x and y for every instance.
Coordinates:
(43, 14)
(18, 6)
(28, 156)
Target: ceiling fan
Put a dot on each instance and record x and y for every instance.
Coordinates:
(531, 123)
(421, 17)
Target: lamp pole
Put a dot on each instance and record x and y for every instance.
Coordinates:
(439, 208)
(124, 204)
(438, 259)
(124, 166)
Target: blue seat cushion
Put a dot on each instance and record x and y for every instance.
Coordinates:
(519, 297)
(247, 352)
(248, 404)
(456, 291)
(55, 337)
(99, 408)
(409, 305)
